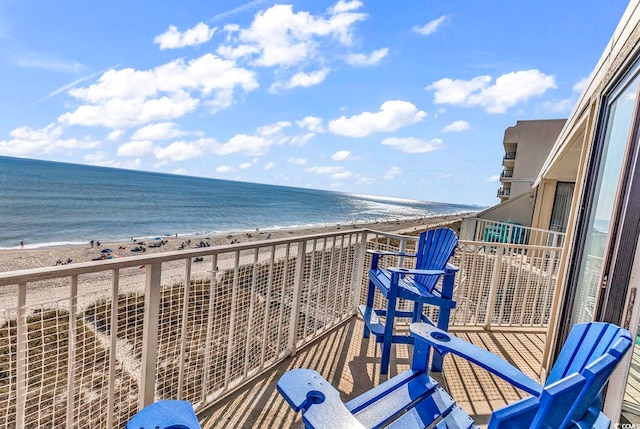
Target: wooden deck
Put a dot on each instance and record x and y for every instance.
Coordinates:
(351, 364)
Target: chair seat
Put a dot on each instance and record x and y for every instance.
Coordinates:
(412, 399)
(408, 289)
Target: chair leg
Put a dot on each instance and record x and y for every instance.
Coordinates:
(417, 312)
(371, 290)
(387, 339)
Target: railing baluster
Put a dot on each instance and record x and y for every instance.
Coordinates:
(232, 320)
(113, 345)
(251, 306)
(283, 295)
(493, 290)
(295, 301)
(22, 365)
(359, 273)
(209, 339)
(267, 307)
(310, 288)
(151, 318)
(183, 332)
(71, 356)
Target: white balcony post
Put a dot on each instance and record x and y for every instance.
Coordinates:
(493, 290)
(71, 354)
(22, 366)
(295, 300)
(113, 348)
(359, 266)
(152, 292)
(183, 331)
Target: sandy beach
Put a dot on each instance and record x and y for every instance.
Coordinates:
(26, 258)
(44, 294)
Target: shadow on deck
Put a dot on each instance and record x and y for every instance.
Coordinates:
(351, 364)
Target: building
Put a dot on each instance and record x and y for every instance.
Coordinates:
(526, 147)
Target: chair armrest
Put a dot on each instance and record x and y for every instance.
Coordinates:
(445, 342)
(390, 253)
(413, 271)
(306, 390)
(451, 268)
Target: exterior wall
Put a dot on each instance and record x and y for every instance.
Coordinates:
(532, 141)
(517, 209)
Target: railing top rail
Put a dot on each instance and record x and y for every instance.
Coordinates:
(44, 273)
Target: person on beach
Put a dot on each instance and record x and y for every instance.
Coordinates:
(22, 244)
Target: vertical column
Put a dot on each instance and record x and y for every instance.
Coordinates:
(71, 356)
(185, 318)
(295, 302)
(493, 290)
(112, 348)
(152, 292)
(22, 366)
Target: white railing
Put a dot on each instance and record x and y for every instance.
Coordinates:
(88, 344)
(477, 229)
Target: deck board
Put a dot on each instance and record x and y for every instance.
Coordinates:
(351, 364)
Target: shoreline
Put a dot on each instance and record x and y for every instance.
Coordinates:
(13, 259)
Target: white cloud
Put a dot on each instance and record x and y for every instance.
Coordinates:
(245, 165)
(336, 172)
(559, 106)
(340, 155)
(269, 166)
(493, 178)
(180, 171)
(581, 84)
(27, 141)
(297, 161)
(274, 129)
(280, 37)
(45, 61)
(301, 140)
(115, 135)
(224, 169)
(135, 148)
(302, 79)
(366, 60)
(392, 172)
(508, 90)
(412, 145)
(173, 38)
(159, 131)
(242, 143)
(393, 114)
(456, 126)
(128, 97)
(178, 151)
(345, 6)
(430, 27)
(101, 158)
(311, 123)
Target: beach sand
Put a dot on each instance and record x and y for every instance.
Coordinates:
(49, 292)
(19, 259)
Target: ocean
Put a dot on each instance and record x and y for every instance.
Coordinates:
(49, 204)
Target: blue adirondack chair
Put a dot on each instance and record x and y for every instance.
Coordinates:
(434, 250)
(412, 399)
(168, 414)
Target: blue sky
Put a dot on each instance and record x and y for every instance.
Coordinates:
(405, 99)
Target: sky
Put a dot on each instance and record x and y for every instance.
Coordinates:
(405, 99)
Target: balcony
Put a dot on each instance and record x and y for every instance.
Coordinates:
(221, 331)
(506, 175)
(503, 193)
(509, 159)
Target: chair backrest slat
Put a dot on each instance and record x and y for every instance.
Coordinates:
(574, 386)
(435, 248)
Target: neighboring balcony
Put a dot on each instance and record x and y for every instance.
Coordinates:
(509, 159)
(88, 344)
(506, 175)
(504, 193)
